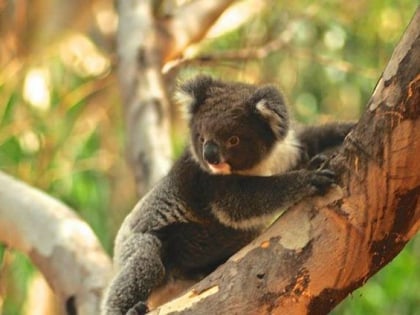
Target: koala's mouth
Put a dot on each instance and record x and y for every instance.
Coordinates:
(220, 168)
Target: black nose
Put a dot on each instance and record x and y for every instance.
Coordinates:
(211, 152)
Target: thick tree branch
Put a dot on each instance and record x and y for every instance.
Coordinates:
(60, 244)
(323, 249)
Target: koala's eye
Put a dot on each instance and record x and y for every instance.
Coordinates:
(233, 141)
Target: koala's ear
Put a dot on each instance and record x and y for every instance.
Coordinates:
(192, 93)
(269, 104)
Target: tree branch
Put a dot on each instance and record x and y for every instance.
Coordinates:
(324, 248)
(230, 55)
(282, 42)
(190, 23)
(59, 243)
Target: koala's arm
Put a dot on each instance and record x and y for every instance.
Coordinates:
(319, 138)
(249, 201)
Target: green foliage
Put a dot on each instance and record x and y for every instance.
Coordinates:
(72, 146)
(332, 52)
(72, 149)
(19, 271)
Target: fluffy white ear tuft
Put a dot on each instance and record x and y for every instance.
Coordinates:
(278, 124)
(193, 93)
(185, 101)
(268, 102)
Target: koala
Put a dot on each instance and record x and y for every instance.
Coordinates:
(245, 164)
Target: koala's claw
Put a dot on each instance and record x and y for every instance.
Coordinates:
(327, 173)
(318, 161)
(139, 309)
(322, 180)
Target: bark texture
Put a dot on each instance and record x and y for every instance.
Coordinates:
(326, 247)
(59, 243)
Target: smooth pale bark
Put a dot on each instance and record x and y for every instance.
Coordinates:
(59, 243)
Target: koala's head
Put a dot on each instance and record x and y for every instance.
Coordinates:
(234, 126)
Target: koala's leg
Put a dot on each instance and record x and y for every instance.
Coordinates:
(141, 271)
(317, 139)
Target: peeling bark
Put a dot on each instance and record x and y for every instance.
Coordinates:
(321, 250)
(59, 243)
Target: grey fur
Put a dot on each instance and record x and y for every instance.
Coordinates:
(194, 219)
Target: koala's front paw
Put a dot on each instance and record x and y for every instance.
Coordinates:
(139, 309)
(322, 180)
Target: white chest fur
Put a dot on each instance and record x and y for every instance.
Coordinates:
(284, 156)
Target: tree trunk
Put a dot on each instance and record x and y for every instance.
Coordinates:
(326, 247)
(144, 98)
(145, 42)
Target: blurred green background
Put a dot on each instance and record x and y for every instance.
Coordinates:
(61, 126)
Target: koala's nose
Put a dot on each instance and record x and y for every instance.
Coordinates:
(211, 152)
